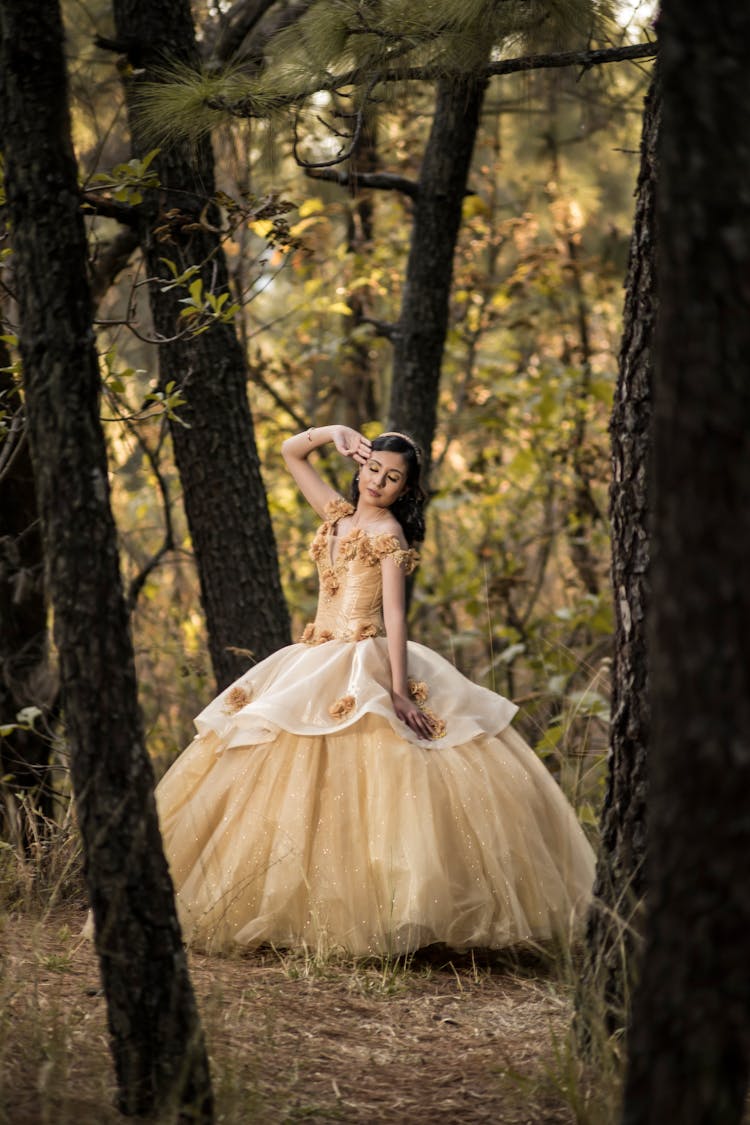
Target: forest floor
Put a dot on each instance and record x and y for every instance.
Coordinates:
(443, 1038)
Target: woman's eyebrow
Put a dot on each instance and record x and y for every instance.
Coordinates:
(374, 461)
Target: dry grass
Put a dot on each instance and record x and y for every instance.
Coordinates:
(294, 1038)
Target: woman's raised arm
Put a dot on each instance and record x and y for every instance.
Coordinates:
(295, 451)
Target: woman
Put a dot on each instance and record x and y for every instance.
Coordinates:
(354, 791)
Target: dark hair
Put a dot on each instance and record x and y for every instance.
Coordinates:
(409, 508)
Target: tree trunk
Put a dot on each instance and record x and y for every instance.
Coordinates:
(614, 920)
(421, 330)
(356, 368)
(156, 1036)
(689, 1042)
(26, 676)
(216, 457)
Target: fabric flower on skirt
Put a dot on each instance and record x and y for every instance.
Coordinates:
(237, 698)
(418, 691)
(342, 707)
(438, 727)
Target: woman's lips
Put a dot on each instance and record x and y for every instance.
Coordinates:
(372, 492)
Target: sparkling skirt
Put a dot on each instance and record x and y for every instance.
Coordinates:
(306, 814)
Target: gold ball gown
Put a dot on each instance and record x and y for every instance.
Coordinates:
(305, 813)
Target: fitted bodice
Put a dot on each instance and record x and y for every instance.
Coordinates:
(350, 603)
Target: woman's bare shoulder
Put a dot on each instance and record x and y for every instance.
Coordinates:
(394, 528)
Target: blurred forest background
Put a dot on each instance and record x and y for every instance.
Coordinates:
(514, 584)
(270, 245)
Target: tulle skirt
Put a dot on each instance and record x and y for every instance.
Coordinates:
(288, 822)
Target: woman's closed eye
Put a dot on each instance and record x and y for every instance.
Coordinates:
(375, 467)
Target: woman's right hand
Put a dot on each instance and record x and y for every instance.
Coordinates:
(351, 443)
(408, 712)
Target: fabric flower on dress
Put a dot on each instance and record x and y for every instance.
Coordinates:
(365, 631)
(388, 546)
(385, 544)
(418, 691)
(318, 545)
(313, 636)
(342, 707)
(438, 726)
(366, 551)
(336, 509)
(407, 560)
(348, 545)
(237, 698)
(329, 581)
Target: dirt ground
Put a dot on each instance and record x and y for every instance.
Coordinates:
(441, 1039)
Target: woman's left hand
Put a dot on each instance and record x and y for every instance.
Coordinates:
(407, 710)
(351, 443)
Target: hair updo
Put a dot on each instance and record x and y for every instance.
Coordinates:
(409, 508)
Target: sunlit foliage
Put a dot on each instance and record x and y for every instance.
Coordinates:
(514, 581)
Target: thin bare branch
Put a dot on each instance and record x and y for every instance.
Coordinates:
(110, 208)
(130, 325)
(112, 260)
(379, 181)
(382, 327)
(343, 154)
(168, 544)
(13, 444)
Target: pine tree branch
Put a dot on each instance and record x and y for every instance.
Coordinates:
(585, 59)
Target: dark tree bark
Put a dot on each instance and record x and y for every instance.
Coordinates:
(156, 1036)
(216, 457)
(419, 336)
(26, 675)
(614, 920)
(689, 1042)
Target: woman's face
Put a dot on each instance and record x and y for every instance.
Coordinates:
(383, 478)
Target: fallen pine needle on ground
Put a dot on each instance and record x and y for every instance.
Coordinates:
(437, 1037)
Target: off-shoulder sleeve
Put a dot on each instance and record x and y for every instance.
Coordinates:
(388, 546)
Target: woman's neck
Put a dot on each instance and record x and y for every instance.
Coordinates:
(366, 514)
